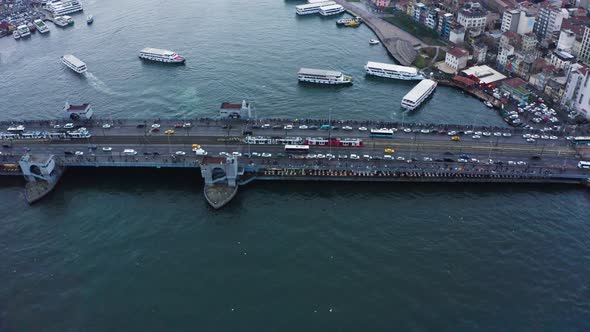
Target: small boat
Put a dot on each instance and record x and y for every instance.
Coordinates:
(68, 19)
(41, 26)
(488, 104)
(343, 21)
(352, 24)
(60, 21)
(89, 19)
(373, 42)
(15, 34)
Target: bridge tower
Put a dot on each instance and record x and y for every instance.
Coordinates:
(41, 173)
(220, 175)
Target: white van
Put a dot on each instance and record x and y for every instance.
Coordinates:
(129, 152)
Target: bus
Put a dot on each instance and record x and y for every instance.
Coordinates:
(584, 164)
(296, 148)
(581, 140)
(382, 132)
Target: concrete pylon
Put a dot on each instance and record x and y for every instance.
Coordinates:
(220, 175)
(41, 173)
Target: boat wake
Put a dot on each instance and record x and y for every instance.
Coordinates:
(99, 85)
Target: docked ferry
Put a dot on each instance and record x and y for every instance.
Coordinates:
(418, 94)
(41, 26)
(323, 76)
(331, 10)
(155, 54)
(392, 71)
(23, 31)
(74, 63)
(312, 8)
(63, 21)
(58, 8)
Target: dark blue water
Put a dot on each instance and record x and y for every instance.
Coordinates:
(142, 251)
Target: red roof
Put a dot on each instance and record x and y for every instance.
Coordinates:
(464, 80)
(227, 105)
(458, 52)
(213, 160)
(514, 82)
(74, 108)
(4, 26)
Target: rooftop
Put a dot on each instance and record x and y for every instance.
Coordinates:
(321, 72)
(419, 89)
(515, 82)
(227, 105)
(458, 52)
(74, 108)
(484, 73)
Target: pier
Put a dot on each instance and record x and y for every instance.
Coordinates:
(415, 153)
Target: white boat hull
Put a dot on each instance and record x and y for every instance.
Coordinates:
(306, 80)
(395, 77)
(161, 60)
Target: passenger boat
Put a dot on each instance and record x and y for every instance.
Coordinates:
(89, 19)
(59, 8)
(23, 31)
(343, 21)
(74, 63)
(373, 42)
(331, 10)
(323, 76)
(68, 19)
(155, 54)
(488, 104)
(352, 24)
(41, 26)
(392, 71)
(15, 34)
(418, 94)
(312, 8)
(60, 21)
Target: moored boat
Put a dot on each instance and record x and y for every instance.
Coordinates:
(312, 8)
(323, 76)
(74, 63)
(392, 71)
(68, 19)
(352, 24)
(373, 42)
(60, 21)
(331, 10)
(89, 19)
(41, 26)
(418, 94)
(15, 34)
(343, 21)
(155, 54)
(23, 31)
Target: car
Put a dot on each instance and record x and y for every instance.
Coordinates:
(147, 153)
(521, 163)
(288, 127)
(376, 158)
(553, 137)
(107, 149)
(455, 138)
(387, 157)
(401, 158)
(452, 133)
(330, 156)
(425, 131)
(169, 132)
(266, 155)
(140, 126)
(427, 159)
(277, 127)
(69, 126)
(335, 128)
(155, 130)
(407, 130)
(497, 134)
(68, 153)
(545, 137)
(180, 153)
(200, 152)
(320, 156)
(535, 136)
(7, 145)
(224, 154)
(236, 154)
(129, 152)
(448, 160)
(256, 154)
(354, 157)
(265, 126)
(79, 153)
(531, 140)
(311, 156)
(388, 150)
(366, 156)
(106, 126)
(187, 125)
(303, 127)
(476, 137)
(280, 155)
(478, 133)
(325, 127)
(468, 132)
(506, 134)
(156, 125)
(342, 156)
(510, 162)
(526, 136)
(462, 160)
(178, 125)
(487, 134)
(474, 160)
(313, 127)
(56, 127)
(569, 138)
(347, 128)
(362, 128)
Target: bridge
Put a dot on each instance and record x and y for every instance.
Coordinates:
(241, 151)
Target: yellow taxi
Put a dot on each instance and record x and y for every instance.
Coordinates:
(389, 150)
(196, 146)
(455, 138)
(169, 132)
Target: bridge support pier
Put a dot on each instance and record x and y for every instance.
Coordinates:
(41, 174)
(220, 175)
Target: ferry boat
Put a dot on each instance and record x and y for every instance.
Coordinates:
(373, 42)
(23, 31)
(74, 63)
(323, 76)
(41, 26)
(418, 94)
(343, 21)
(331, 10)
(60, 21)
(59, 8)
(89, 19)
(15, 34)
(312, 8)
(392, 71)
(155, 54)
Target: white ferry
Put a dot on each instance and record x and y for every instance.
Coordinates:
(418, 94)
(312, 8)
(323, 76)
(156, 54)
(392, 71)
(74, 63)
(58, 8)
(23, 31)
(331, 10)
(41, 26)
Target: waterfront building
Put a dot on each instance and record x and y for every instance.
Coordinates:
(516, 87)
(235, 111)
(77, 112)
(456, 58)
(562, 60)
